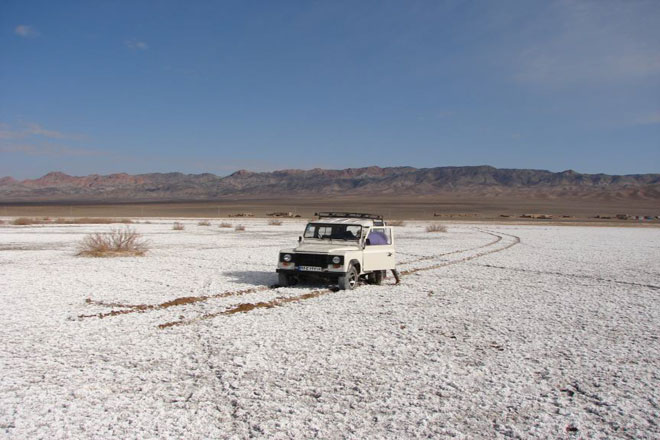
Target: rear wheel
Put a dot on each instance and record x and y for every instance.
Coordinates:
(376, 277)
(349, 280)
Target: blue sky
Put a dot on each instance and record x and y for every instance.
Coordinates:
(217, 86)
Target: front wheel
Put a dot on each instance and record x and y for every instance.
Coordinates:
(349, 280)
(284, 280)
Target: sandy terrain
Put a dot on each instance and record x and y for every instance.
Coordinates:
(496, 331)
(451, 207)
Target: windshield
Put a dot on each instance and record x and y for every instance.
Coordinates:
(333, 232)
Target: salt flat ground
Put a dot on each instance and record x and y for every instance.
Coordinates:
(496, 331)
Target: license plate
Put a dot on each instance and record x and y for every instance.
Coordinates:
(310, 268)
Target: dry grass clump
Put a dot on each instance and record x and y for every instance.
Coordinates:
(225, 225)
(239, 228)
(24, 221)
(396, 223)
(204, 223)
(436, 228)
(91, 221)
(116, 243)
(275, 222)
(178, 226)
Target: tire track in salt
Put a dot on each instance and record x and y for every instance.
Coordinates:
(516, 240)
(433, 257)
(572, 275)
(246, 307)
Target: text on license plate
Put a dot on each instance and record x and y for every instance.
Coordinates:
(310, 268)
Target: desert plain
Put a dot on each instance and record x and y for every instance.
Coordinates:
(496, 331)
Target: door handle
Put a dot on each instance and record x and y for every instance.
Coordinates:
(389, 254)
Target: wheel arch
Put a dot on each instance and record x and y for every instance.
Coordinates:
(357, 265)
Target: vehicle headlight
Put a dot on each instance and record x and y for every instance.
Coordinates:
(336, 260)
(287, 257)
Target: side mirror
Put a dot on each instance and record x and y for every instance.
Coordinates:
(367, 242)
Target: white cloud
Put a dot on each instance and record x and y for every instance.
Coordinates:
(26, 31)
(47, 150)
(136, 45)
(649, 119)
(6, 132)
(591, 42)
(37, 130)
(32, 129)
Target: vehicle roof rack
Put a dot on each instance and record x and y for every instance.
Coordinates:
(378, 219)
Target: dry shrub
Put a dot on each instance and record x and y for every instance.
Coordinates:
(204, 223)
(436, 228)
(24, 221)
(396, 223)
(239, 228)
(225, 225)
(91, 221)
(116, 243)
(178, 226)
(71, 221)
(275, 222)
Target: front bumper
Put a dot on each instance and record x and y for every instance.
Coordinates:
(323, 274)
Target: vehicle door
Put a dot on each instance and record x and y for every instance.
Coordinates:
(378, 251)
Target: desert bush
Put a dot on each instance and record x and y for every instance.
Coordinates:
(436, 228)
(396, 223)
(239, 228)
(178, 226)
(204, 223)
(225, 225)
(116, 243)
(90, 221)
(24, 221)
(275, 222)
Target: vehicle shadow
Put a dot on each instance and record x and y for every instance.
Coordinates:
(254, 277)
(266, 278)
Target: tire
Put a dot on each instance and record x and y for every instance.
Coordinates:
(284, 280)
(349, 280)
(377, 277)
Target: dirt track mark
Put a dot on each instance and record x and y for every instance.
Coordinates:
(246, 307)
(185, 300)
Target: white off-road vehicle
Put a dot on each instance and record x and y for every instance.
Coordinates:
(340, 248)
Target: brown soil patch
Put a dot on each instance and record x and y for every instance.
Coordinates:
(182, 301)
(246, 307)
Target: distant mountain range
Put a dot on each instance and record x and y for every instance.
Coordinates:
(477, 181)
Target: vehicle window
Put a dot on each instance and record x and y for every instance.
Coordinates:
(333, 232)
(379, 237)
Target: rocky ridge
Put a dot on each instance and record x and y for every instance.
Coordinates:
(481, 181)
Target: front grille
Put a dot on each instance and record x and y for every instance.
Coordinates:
(311, 260)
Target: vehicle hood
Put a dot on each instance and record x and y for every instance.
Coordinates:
(326, 248)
